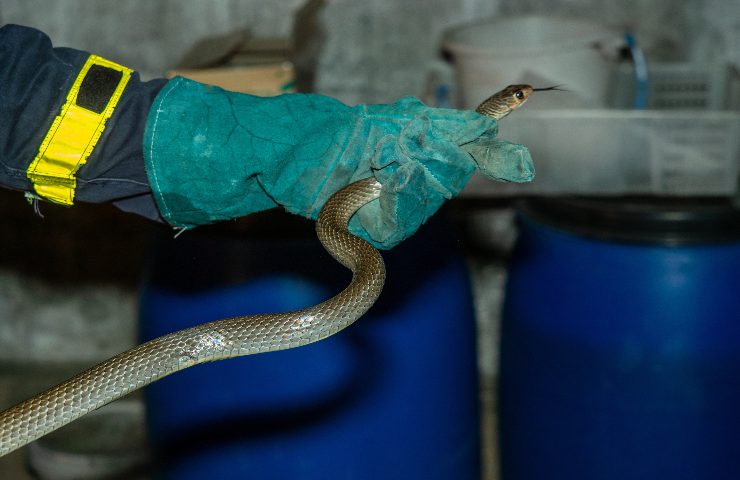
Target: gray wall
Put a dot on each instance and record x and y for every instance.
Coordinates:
(149, 35)
(375, 50)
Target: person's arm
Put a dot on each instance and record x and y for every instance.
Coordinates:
(36, 82)
(196, 154)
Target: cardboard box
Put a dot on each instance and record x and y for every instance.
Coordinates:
(262, 80)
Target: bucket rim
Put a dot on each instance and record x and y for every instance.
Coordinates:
(594, 36)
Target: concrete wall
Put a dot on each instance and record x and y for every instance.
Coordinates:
(372, 50)
(147, 35)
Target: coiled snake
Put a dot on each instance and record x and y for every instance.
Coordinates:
(246, 335)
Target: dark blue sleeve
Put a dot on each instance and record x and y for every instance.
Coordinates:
(34, 81)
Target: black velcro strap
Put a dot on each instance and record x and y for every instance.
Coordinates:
(97, 88)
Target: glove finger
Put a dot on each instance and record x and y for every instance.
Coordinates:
(502, 160)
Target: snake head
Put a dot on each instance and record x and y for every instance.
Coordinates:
(502, 103)
(516, 95)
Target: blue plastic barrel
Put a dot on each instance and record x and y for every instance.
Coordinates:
(620, 355)
(394, 396)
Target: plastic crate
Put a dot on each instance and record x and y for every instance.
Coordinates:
(676, 86)
(623, 152)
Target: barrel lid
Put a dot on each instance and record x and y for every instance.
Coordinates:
(666, 221)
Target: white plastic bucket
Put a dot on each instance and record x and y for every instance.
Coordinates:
(536, 50)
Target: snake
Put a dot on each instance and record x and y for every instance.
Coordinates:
(236, 336)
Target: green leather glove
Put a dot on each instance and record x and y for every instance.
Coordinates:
(214, 155)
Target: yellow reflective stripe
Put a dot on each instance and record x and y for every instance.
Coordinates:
(71, 139)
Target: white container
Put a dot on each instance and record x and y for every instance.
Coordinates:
(536, 50)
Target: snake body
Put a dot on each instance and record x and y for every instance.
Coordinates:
(232, 337)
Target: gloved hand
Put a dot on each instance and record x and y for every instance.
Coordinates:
(214, 155)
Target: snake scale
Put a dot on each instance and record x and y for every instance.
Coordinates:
(232, 337)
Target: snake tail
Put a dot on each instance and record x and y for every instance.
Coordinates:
(232, 337)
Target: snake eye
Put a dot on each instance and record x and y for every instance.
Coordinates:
(519, 95)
